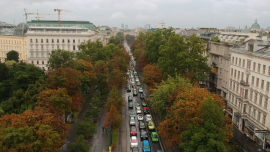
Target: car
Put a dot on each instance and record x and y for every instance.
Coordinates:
(145, 146)
(133, 141)
(135, 149)
(154, 137)
(151, 125)
(135, 92)
(133, 131)
(132, 113)
(128, 88)
(130, 105)
(138, 83)
(140, 117)
(141, 96)
(133, 84)
(130, 98)
(142, 125)
(148, 118)
(139, 110)
(141, 90)
(132, 121)
(159, 150)
(137, 79)
(138, 105)
(134, 73)
(144, 104)
(143, 134)
(146, 110)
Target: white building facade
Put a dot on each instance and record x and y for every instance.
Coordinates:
(42, 40)
(248, 89)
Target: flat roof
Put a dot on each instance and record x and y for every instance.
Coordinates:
(49, 27)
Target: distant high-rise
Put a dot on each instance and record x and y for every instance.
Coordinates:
(147, 26)
(122, 26)
(126, 26)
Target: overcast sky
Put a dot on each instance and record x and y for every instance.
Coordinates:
(175, 13)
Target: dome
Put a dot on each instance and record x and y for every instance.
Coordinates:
(255, 25)
(21, 29)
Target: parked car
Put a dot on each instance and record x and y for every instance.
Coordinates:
(128, 88)
(151, 125)
(140, 117)
(141, 96)
(137, 79)
(148, 118)
(135, 92)
(141, 90)
(130, 98)
(133, 131)
(154, 137)
(135, 149)
(143, 134)
(138, 105)
(132, 113)
(144, 104)
(133, 141)
(132, 121)
(159, 150)
(142, 125)
(139, 110)
(130, 105)
(145, 146)
(146, 110)
(138, 83)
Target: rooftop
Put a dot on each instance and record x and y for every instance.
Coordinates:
(54, 23)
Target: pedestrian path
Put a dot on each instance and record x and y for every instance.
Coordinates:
(100, 139)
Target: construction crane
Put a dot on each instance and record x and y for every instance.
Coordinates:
(60, 10)
(162, 24)
(37, 17)
(26, 15)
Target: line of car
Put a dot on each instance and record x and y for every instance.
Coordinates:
(143, 116)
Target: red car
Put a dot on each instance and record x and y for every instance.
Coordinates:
(133, 131)
(146, 110)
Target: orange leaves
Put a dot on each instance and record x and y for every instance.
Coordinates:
(185, 110)
(152, 76)
(142, 61)
(117, 78)
(113, 117)
(135, 43)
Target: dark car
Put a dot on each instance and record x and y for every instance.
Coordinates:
(128, 88)
(135, 93)
(141, 95)
(143, 134)
(130, 98)
(135, 149)
(130, 105)
(146, 110)
(141, 125)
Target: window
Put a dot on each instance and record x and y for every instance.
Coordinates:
(47, 62)
(37, 54)
(48, 55)
(42, 55)
(235, 61)
(245, 108)
(31, 41)
(252, 80)
(68, 41)
(37, 62)
(32, 62)
(254, 66)
(238, 76)
(52, 40)
(265, 103)
(73, 41)
(250, 96)
(242, 76)
(231, 85)
(254, 113)
(262, 84)
(260, 100)
(36, 40)
(232, 60)
(52, 47)
(41, 40)
(42, 62)
(264, 67)
(41, 47)
(47, 40)
(231, 71)
(237, 88)
(267, 86)
(63, 40)
(259, 116)
(255, 98)
(239, 62)
(57, 40)
(263, 119)
(249, 110)
(259, 68)
(257, 82)
(32, 55)
(57, 46)
(73, 47)
(235, 73)
(248, 65)
(268, 70)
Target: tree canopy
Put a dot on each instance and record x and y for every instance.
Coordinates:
(13, 55)
(61, 58)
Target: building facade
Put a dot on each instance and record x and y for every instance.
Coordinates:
(16, 43)
(248, 89)
(42, 40)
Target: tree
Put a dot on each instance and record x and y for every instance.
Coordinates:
(215, 39)
(61, 58)
(138, 51)
(185, 109)
(129, 39)
(86, 129)
(10, 63)
(29, 138)
(209, 135)
(13, 55)
(142, 62)
(115, 98)
(152, 76)
(117, 78)
(153, 42)
(135, 44)
(142, 36)
(79, 145)
(182, 55)
(113, 118)
(121, 35)
(3, 72)
(115, 40)
(101, 71)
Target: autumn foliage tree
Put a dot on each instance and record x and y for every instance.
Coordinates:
(113, 118)
(186, 109)
(115, 98)
(135, 43)
(151, 76)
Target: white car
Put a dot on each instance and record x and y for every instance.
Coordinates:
(132, 121)
(138, 106)
(133, 141)
(148, 118)
(140, 117)
(141, 90)
(139, 110)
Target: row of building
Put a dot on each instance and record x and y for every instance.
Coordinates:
(35, 39)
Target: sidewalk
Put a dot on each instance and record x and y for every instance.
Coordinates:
(100, 139)
(71, 137)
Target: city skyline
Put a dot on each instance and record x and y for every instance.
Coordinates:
(178, 14)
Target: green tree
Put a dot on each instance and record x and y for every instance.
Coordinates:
(142, 36)
(10, 63)
(215, 39)
(208, 136)
(61, 58)
(85, 129)
(13, 55)
(182, 55)
(153, 42)
(115, 40)
(79, 145)
(129, 39)
(3, 72)
(121, 35)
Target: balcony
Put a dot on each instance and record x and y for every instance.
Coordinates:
(244, 84)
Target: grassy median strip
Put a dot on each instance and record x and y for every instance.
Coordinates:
(114, 138)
